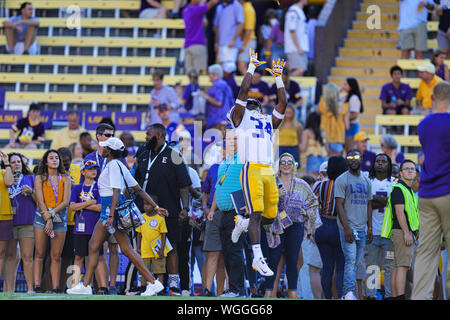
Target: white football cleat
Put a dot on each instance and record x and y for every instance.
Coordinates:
(241, 225)
(80, 289)
(153, 288)
(260, 265)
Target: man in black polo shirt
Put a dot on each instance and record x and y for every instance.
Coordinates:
(162, 172)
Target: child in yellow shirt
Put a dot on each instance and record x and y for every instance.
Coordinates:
(151, 242)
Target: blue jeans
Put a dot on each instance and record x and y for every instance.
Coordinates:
(353, 252)
(377, 256)
(329, 243)
(290, 244)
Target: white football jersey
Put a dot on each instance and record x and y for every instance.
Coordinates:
(380, 188)
(255, 137)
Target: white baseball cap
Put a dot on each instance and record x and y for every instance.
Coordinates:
(229, 67)
(323, 167)
(427, 67)
(113, 143)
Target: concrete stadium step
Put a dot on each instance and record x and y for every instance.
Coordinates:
(362, 25)
(357, 52)
(358, 72)
(379, 44)
(369, 129)
(385, 7)
(384, 17)
(373, 34)
(363, 81)
(371, 90)
(367, 119)
(365, 63)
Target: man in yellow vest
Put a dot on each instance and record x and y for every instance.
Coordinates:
(400, 224)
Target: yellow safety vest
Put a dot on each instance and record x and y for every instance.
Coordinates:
(411, 209)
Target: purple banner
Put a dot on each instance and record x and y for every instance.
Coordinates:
(47, 118)
(92, 119)
(2, 97)
(9, 117)
(128, 120)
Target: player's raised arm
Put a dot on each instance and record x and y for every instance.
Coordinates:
(278, 112)
(241, 102)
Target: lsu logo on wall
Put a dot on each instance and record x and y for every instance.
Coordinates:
(8, 118)
(128, 120)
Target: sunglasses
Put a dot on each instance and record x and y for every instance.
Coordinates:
(90, 163)
(286, 162)
(108, 135)
(355, 157)
(409, 169)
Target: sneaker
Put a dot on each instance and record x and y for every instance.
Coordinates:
(349, 296)
(241, 225)
(261, 266)
(230, 294)
(153, 288)
(207, 293)
(185, 293)
(102, 291)
(38, 289)
(113, 291)
(57, 291)
(174, 292)
(80, 289)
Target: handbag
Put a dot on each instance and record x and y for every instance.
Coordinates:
(128, 214)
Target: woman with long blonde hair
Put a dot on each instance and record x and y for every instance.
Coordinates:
(334, 119)
(290, 133)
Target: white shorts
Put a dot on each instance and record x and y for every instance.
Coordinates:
(19, 48)
(296, 61)
(245, 54)
(227, 54)
(311, 254)
(149, 13)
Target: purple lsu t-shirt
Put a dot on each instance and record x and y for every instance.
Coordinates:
(403, 92)
(193, 20)
(81, 193)
(25, 205)
(259, 90)
(435, 140)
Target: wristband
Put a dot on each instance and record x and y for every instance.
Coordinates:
(242, 103)
(251, 68)
(279, 82)
(277, 114)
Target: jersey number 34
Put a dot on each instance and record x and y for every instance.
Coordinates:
(260, 126)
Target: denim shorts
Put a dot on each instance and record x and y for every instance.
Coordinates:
(335, 147)
(313, 163)
(353, 130)
(40, 223)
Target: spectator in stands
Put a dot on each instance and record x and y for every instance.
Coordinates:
(313, 15)
(191, 100)
(389, 146)
(31, 130)
(195, 53)
(396, 96)
(275, 42)
(86, 143)
(52, 187)
(395, 171)
(335, 119)
(219, 99)
(270, 19)
(368, 157)
(438, 60)
(352, 95)
(293, 91)
(259, 89)
(314, 144)
(248, 36)
(6, 216)
(20, 183)
(412, 27)
(172, 128)
(70, 134)
(434, 194)
(152, 9)
(327, 236)
(160, 94)
(162, 172)
(128, 141)
(177, 6)
(379, 252)
(296, 38)
(290, 134)
(443, 33)
(228, 27)
(228, 75)
(21, 31)
(77, 153)
(424, 92)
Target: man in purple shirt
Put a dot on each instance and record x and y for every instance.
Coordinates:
(228, 75)
(434, 193)
(195, 52)
(259, 89)
(219, 99)
(160, 94)
(396, 96)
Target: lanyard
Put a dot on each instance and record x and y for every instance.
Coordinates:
(85, 196)
(150, 163)
(98, 161)
(55, 190)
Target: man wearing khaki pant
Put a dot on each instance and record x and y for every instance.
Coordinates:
(434, 194)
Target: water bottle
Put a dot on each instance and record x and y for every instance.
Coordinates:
(394, 100)
(355, 234)
(111, 229)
